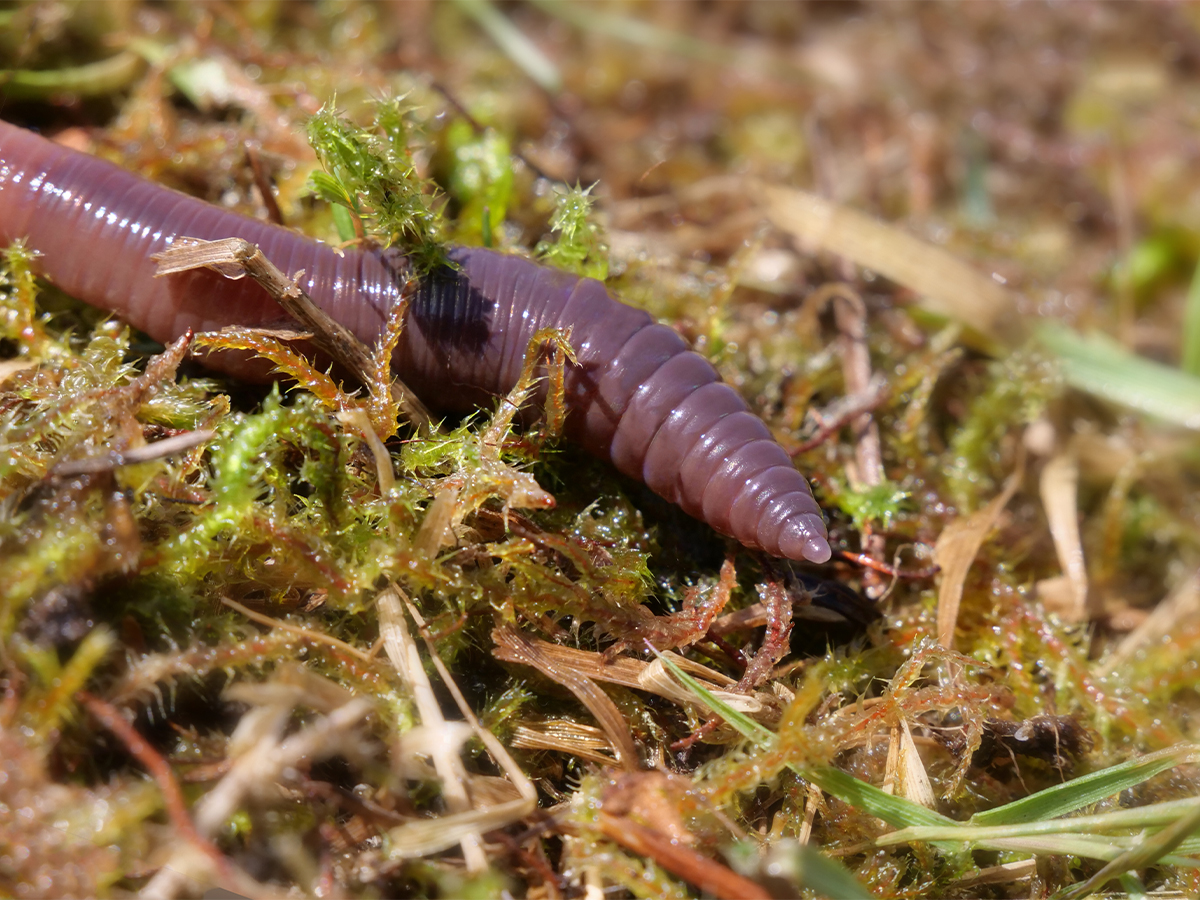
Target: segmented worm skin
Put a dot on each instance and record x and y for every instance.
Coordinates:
(638, 397)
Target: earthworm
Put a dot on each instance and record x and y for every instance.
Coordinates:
(638, 396)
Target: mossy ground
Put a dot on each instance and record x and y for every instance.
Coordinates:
(225, 599)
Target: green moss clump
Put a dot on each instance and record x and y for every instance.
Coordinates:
(480, 179)
(1016, 392)
(369, 172)
(578, 245)
(874, 507)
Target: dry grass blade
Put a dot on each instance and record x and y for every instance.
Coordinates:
(262, 755)
(796, 213)
(947, 285)
(524, 787)
(415, 839)
(402, 651)
(564, 736)
(112, 719)
(1169, 617)
(10, 367)
(905, 774)
(423, 837)
(850, 314)
(844, 410)
(512, 646)
(437, 528)
(361, 422)
(655, 679)
(1006, 873)
(111, 460)
(1059, 487)
(651, 676)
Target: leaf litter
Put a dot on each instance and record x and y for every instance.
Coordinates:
(223, 585)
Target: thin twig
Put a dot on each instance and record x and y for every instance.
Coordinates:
(263, 181)
(235, 255)
(887, 569)
(844, 411)
(850, 314)
(228, 875)
(479, 129)
(315, 636)
(259, 767)
(106, 462)
(402, 651)
(110, 717)
(678, 859)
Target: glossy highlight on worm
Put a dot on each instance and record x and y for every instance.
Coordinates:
(638, 396)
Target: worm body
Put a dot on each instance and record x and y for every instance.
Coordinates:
(638, 396)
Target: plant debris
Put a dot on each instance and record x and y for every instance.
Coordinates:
(305, 638)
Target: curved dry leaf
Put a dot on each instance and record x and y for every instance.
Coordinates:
(956, 549)
(656, 680)
(906, 774)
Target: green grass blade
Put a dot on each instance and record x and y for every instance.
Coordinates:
(1133, 887)
(596, 19)
(1099, 365)
(1190, 357)
(1145, 852)
(743, 724)
(813, 870)
(817, 872)
(516, 46)
(1076, 845)
(1080, 792)
(786, 867)
(95, 79)
(896, 811)
(1190, 846)
(1157, 815)
(947, 835)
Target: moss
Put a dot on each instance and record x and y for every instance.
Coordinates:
(877, 506)
(480, 178)
(1015, 391)
(578, 244)
(259, 552)
(369, 172)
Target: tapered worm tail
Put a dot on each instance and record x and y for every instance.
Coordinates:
(638, 396)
